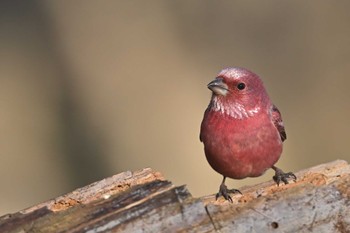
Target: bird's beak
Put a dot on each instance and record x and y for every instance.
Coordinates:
(218, 87)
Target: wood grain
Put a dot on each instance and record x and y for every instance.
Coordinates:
(143, 201)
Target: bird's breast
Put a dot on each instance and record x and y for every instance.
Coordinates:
(239, 148)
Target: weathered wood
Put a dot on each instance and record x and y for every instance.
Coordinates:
(143, 201)
(317, 202)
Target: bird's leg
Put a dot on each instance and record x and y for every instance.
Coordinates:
(225, 192)
(282, 176)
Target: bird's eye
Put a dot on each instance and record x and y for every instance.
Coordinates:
(241, 86)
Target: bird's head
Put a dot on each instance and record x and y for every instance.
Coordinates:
(238, 92)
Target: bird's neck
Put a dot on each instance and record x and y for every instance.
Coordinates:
(235, 110)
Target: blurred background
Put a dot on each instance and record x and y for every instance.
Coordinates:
(89, 89)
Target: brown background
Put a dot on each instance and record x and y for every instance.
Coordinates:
(92, 88)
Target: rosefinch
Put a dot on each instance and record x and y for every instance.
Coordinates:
(242, 130)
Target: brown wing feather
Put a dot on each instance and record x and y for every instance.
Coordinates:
(277, 121)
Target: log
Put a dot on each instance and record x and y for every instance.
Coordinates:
(143, 201)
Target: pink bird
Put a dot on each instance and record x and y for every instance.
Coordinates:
(242, 130)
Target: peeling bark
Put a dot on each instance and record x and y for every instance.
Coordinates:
(143, 201)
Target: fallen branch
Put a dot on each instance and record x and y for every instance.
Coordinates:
(143, 201)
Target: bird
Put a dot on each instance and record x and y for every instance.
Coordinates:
(242, 130)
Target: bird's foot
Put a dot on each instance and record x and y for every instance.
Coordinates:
(225, 192)
(282, 176)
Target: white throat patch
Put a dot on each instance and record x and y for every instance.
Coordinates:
(236, 110)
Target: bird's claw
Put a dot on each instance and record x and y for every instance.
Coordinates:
(282, 176)
(225, 192)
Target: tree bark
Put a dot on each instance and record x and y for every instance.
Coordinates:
(143, 201)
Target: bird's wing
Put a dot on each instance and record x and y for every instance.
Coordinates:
(200, 133)
(277, 121)
(202, 124)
